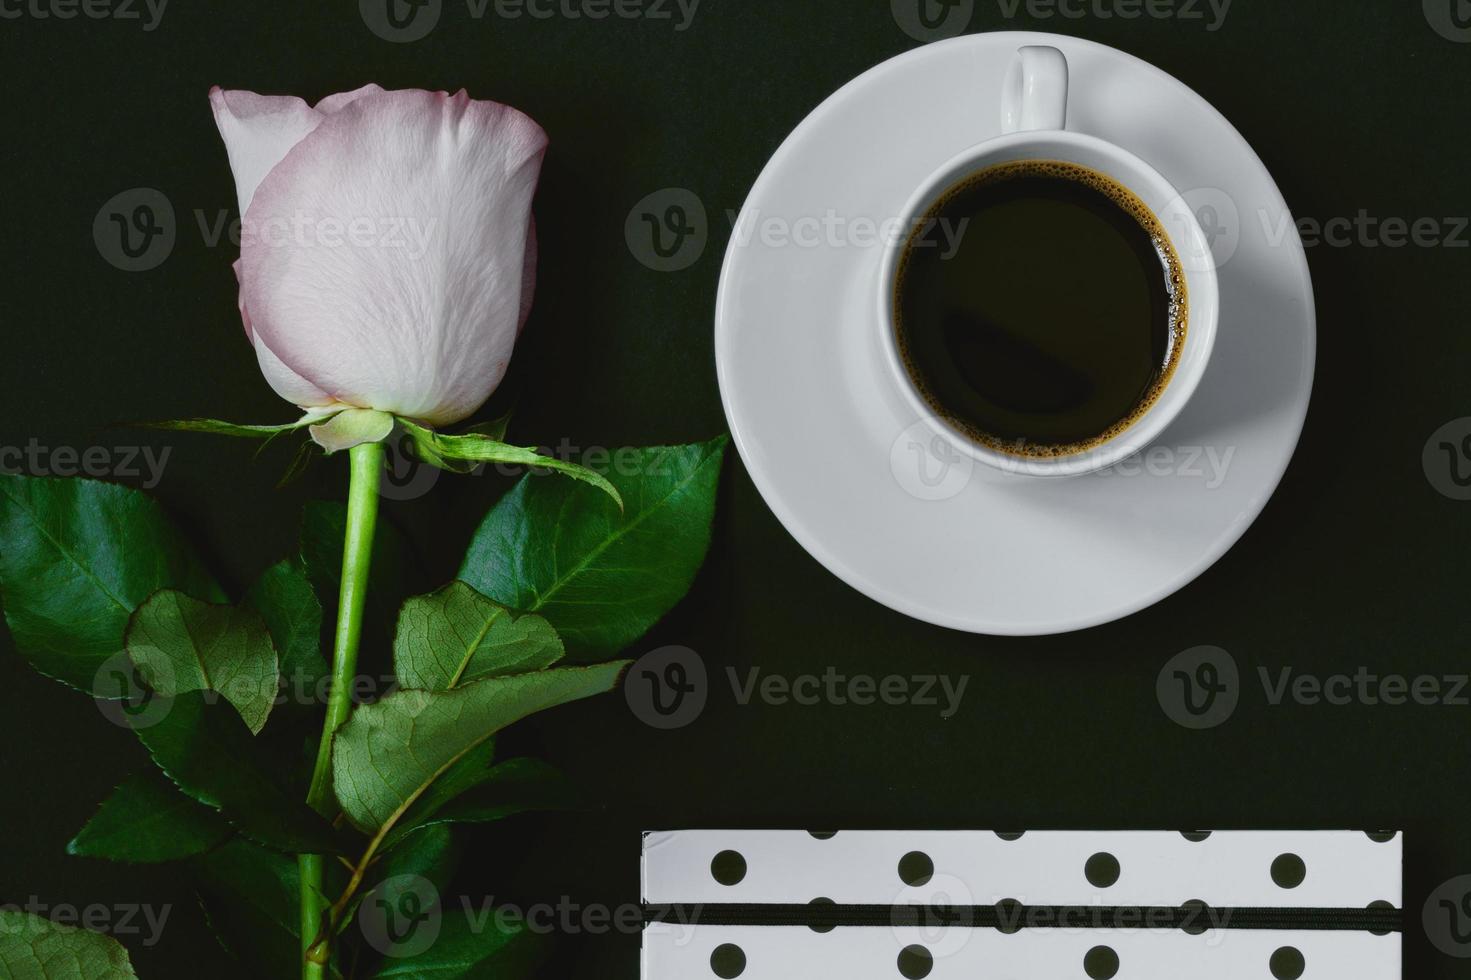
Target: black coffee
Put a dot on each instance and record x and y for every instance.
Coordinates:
(1040, 307)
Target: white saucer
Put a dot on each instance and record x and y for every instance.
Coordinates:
(854, 475)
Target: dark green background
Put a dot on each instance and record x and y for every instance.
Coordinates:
(1358, 561)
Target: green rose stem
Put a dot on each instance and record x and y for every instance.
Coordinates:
(366, 464)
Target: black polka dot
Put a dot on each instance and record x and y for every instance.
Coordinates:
(1195, 836)
(1381, 906)
(1010, 834)
(1101, 963)
(1381, 836)
(823, 834)
(1197, 917)
(1009, 916)
(818, 903)
(1102, 870)
(916, 868)
(728, 961)
(729, 868)
(915, 962)
(1288, 871)
(1287, 964)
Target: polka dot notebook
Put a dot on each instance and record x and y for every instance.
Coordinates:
(1040, 905)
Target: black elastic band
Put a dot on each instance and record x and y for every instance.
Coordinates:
(1011, 916)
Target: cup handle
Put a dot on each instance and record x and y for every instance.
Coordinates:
(1035, 92)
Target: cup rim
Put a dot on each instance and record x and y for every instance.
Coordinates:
(1201, 283)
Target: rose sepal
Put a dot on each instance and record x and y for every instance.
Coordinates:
(245, 431)
(464, 452)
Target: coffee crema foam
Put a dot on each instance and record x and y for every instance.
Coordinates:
(1127, 201)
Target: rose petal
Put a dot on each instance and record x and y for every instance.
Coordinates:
(283, 381)
(528, 276)
(259, 130)
(287, 383)
(418, 314)
(341, 100)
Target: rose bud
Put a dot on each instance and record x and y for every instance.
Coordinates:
(387, 247)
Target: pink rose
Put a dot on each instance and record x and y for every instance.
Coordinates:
(387, 250)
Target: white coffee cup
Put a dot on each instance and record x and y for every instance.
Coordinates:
(1034, 121)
